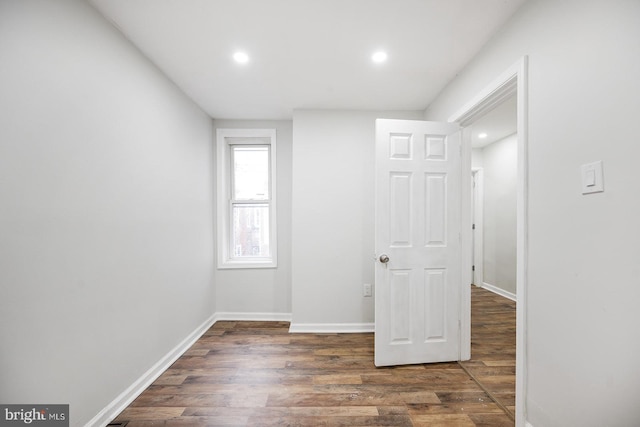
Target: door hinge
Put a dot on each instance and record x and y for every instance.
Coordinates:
(473, 226)
(473, 268)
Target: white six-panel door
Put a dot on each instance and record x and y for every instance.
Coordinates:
(418, 243)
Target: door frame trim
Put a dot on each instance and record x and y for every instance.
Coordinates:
(513, 80)
(478, 220)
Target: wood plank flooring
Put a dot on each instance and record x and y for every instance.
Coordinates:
(493, 345)
(257, 374)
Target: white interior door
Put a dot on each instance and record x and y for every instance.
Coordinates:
(418, 242)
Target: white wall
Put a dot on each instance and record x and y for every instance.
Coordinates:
(265, 292)
(106, 254)
(333, 214)
(584, 99)
(476, 158)
(500, 161)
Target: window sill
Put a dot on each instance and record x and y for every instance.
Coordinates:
(249, 264)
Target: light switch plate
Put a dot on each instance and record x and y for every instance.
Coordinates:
(592, 178)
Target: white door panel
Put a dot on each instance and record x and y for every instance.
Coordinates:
(418, 205)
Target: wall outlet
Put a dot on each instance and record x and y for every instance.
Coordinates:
(366, 290)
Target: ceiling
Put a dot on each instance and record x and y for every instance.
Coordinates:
(497, 124)
(308, 54)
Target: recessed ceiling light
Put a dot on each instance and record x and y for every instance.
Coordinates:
(241, 57)
(379, 57)
(482, 135)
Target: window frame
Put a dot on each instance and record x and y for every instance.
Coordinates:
(225, 140)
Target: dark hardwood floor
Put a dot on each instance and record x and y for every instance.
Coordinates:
(493, 345)
(257, 374)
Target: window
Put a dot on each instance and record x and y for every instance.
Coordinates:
(246, 198)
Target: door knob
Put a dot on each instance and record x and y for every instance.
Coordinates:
(384, 258)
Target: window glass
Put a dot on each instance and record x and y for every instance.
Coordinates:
(250, 230)
(250, 173)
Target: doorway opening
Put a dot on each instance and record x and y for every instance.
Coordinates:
(507, 89)
(494, 167)
(494, 162)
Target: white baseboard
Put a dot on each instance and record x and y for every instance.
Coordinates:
(251, 317)
(497, 290)
(134, 390)
(330, 328)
